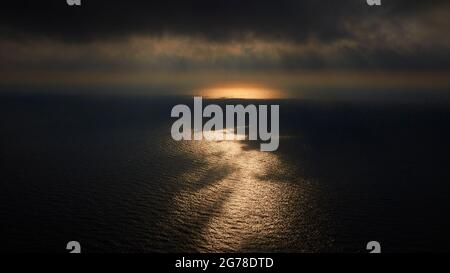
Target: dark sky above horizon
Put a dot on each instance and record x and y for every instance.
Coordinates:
(287, 43)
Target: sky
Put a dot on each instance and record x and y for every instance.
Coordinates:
(190, 45)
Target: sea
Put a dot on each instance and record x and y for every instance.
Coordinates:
(104, 171)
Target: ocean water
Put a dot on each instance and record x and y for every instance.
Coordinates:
(104, 171)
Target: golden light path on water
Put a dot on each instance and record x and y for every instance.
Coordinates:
(240, 199)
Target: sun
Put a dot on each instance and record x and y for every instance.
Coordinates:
(240, 91)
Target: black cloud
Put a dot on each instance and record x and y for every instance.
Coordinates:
(220, 19)
(294, 21)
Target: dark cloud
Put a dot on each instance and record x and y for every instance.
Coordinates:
(220, 19)
(295, 34)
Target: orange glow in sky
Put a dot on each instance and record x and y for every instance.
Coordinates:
(241, 91)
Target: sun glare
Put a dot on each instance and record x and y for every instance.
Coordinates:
(241, 92)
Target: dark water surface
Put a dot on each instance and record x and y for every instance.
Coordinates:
(104, 171)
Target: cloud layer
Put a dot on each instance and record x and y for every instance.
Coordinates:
(251, 36)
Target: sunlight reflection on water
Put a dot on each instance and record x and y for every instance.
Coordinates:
(240, 203)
